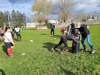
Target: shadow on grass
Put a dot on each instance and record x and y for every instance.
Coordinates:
(2, 72)
(70, 49)
(4, 49)
(15, 39)
(80, 50)
(44, 34)
(49, 45)
(67, 72)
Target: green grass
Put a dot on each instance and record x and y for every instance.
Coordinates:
(39, 60)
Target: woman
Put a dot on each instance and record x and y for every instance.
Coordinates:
(8, 41)
(84, 31)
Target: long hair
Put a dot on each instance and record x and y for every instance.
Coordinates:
(7, 29)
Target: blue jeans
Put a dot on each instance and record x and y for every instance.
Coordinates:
(88, 40)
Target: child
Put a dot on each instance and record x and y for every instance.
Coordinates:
(8, 41)
(52, 27)
(17, 30)
(64, 39)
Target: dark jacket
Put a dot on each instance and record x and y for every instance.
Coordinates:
(83, 30)
(72, 28)
(70, 37)
(52, 26)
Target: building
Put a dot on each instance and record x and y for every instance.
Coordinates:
(98, 16)
(53, 21)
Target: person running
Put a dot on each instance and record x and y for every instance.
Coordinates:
(8, 41)
(84, 31)
(63, 40)
(17, 30)
(52, 27)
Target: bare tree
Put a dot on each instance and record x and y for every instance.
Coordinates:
(42, 8)
(81, 16)
(95, 15)
(65, 9)
(88, 16)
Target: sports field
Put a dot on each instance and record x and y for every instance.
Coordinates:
(35, 58)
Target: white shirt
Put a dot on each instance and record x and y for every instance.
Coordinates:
(7, 36)
(17, 29)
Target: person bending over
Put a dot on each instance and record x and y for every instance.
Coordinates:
(63, 40)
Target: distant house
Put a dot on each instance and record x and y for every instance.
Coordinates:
(35, 25)
(90, 19)
(30, 25)
(98, 16)
(53, 21)
(95, 17)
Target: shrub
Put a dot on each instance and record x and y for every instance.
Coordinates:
(47, 24)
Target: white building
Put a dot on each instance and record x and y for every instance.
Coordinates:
(98, 16)
(53, 21)
(31, 25)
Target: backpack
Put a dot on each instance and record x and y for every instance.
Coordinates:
(85, 26)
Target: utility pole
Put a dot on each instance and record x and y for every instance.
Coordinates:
(9, 19)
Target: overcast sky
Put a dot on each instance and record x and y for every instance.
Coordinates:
(24, 6)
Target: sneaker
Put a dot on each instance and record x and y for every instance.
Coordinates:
(61, 53)
(52, 50)
(85, 49)
(92, 52)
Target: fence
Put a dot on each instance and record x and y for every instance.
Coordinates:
(59, 25)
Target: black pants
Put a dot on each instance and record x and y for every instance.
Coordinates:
(12, 35)
(52, 31)
(8, 45)
(18, 36)
(64, 42)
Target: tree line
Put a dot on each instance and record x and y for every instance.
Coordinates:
(63, 8)
(15, 18)
(86, 16)
(43, 8)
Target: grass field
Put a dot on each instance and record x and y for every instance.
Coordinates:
(39, 60)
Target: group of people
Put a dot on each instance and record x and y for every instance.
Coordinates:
(9, 38)
(16, 30)
(71, 35)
